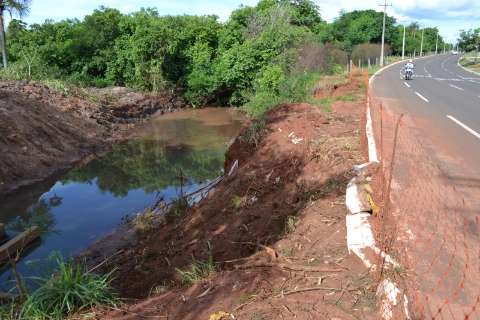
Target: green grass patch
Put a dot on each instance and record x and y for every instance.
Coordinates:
(327, 102)
(71, 289)
(197, 271)
(236, 202)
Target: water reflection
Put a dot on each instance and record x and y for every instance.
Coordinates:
(181, 150)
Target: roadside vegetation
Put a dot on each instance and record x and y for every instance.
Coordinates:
(471, 61)
(263, 55)
(469, 42)
(71, 289)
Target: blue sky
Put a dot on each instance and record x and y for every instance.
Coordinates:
(449, 15)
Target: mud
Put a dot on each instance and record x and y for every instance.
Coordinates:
(275, 230)
(44, 131)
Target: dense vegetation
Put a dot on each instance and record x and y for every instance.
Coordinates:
(260, 56)
(469, 40)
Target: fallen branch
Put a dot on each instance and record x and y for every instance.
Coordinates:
(287, 267)
(105, 261)
(314, 289)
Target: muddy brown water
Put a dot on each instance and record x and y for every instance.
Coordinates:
(80, 207)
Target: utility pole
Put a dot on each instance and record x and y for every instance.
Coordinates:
(403, 45)
(382, 54)
(436, 45)
(414, 42)
(421, 44)
(444, 46)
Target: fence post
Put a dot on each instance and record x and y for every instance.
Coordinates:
(369, 64)
(351, 66)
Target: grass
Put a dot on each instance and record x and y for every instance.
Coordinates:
(237, 202)
(70, 290)
(144, 222)
(327, 102)
(197, 271)
(258, 316)
(178, 209)
(9, 310)
(290, 224)
(471, 61)
(253, 135)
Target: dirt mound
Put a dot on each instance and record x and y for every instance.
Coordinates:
(107, 106)
(44, 131)
(274, 228)
(123, 105)
(38, 140)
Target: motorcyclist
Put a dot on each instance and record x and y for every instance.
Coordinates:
(409, 66)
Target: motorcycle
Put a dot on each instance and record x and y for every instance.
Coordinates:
(408, 74)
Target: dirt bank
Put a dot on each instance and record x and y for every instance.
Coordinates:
(44, 131)
(274, 231)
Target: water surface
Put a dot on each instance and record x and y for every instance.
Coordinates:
(174, 153)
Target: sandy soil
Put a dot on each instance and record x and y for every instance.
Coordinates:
(275, 230)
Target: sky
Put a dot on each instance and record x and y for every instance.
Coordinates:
(449, 16)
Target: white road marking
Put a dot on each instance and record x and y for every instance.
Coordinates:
(422, 97)
(442, 79)
(408, 86)
(464, 126)
(455, 87)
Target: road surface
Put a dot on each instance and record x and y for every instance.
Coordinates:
(436, 183)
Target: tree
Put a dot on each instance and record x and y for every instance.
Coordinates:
(469, 40)
(361, 26)
(19, 7)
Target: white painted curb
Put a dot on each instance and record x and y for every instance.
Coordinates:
(360, 238)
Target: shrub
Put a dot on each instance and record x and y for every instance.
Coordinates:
(367, 51)
(253, 135)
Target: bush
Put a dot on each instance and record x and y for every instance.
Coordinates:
(70, 290)
(292, 89)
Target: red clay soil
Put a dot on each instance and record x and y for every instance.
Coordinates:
(275, 229)
(38, 140)
(44, 131)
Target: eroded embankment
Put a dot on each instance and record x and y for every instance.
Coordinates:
(270, 241)
(44, 131)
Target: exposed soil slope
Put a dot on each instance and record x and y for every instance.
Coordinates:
(275, 230)
(43, 131)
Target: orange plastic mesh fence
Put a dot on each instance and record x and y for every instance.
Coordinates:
(424, 222)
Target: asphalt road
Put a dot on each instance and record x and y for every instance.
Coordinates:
(436, 183)
(443, 94)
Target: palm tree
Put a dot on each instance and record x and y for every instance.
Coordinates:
(19, 7)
